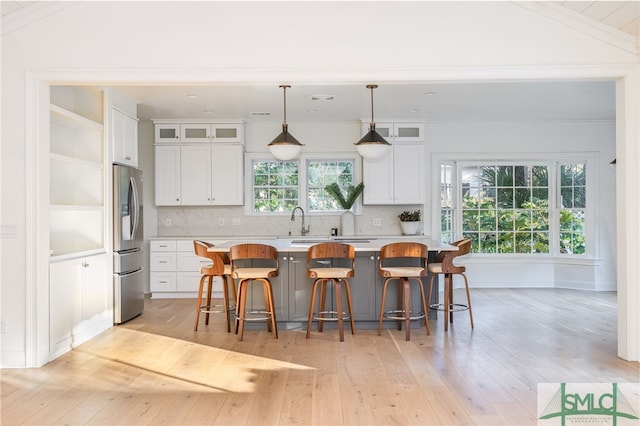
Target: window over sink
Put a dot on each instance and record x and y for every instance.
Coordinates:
(279, 186)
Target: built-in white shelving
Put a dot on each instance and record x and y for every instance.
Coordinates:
(76, 176)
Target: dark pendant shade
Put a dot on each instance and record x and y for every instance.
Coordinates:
(372, 146)
(285, 146)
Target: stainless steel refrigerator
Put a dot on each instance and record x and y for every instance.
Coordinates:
(128, 283)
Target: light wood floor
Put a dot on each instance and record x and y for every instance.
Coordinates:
(156, 370)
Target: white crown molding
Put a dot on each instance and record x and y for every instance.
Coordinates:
(31, 14)
(591, 27)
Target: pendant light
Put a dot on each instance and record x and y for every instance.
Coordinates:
(285, 147)
(372, 146)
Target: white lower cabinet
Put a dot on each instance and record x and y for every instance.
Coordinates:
(175, 269)
(81, 302)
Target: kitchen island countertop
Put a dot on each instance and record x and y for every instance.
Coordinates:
(360, 243)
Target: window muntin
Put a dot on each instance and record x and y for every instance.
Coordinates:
(275, 186)
(321, 173)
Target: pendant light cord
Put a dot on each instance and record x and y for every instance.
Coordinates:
(372, 124)
(284, 91)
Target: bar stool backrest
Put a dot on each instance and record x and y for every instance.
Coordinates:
(331, 251)
(264, 254)
(218, 259)
(447, 257)
(403, 250)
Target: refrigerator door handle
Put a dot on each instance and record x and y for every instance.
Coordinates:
(135, 207)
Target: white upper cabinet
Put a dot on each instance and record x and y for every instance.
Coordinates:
(398, 131)
(398, 177)
(211, 133)
(167, 133)
(204, 166)
(123, 132)
(193, 132)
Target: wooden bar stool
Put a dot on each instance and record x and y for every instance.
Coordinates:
(251, 263)
(220, 267)
(330, 263)
(444, 265)
(404, 263)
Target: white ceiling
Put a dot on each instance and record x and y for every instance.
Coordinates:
(473, 101)
(546, 100)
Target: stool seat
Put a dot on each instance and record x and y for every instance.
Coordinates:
(402, 271)
(210, 270)
(251, 273)
(390, 255)
(331, 272)
(338, 266)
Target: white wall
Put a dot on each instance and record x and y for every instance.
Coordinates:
(107, 42)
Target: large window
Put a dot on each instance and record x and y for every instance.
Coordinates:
(280, 186)
(532, 208)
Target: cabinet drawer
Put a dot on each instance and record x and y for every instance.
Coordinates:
(163, 245)
(162, 261)
(185, 245)
(163, 281)
(189, 262)
(188, 281)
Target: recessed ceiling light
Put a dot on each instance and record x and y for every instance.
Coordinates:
(414, 110)
(322, 97)
(430, 93)
(209, 111)
(312, 111)
(192, 96)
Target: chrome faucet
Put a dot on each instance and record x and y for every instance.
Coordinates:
(293, 217)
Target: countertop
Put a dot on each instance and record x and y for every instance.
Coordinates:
(302, 244)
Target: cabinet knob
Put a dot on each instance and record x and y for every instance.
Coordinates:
(284, 257)
(177, 199)
(127, 158)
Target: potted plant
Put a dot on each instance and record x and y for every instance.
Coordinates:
(347, 221)
(409, 221)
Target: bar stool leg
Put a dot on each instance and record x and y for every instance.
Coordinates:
(272, 309)
(242, 288)
(209, 287)
(349, 305)
(400, 299)
(199, 302)
(407, 308)
(323, 301)
(338, 293)
(225, 301)
(312, 306)
(466, 286)
(384, 296)
(425, 307)
(446, 303)
(267, 303)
